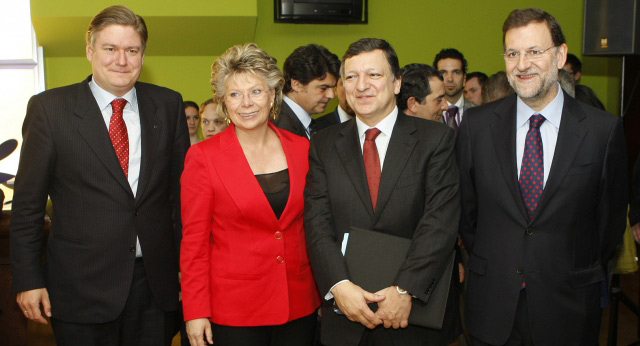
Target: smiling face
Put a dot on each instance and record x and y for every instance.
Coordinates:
(473, 91)
(116, 58)
(535, 81)
(451, 70)
(314, 96)
(248, 100)
(370, 87)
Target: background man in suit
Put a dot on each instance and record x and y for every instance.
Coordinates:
(409, 188)
(583, 92)
(112, 171)
(453, 67)
(343, 111)
(543, 196)
(474, 82)
(422, 92)
(310, 74)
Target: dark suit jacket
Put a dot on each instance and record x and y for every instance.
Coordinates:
(417, 199)
(563, 250)
(328, 119)
(67, 154)
(288, 120)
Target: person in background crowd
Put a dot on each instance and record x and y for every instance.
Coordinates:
(473, 87)
(192, 112)
(212, 122)
(496, 87)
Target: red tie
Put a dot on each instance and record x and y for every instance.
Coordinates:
(532, 167)
(372, 163)
(118, 134)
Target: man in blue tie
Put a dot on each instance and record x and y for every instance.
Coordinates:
(543, 199)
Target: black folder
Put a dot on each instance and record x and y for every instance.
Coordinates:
(374, 258)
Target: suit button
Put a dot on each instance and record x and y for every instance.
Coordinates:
(278, 235)
(135, 212)
(280, 259)
(519, 270)
(529, 231)
(132, 248)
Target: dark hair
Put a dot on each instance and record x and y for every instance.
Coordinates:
(309, 62)
(188, 104)
(451, 53)
(482, 78)
(365, 45)
(496, 87)
(576, 64)
(119, 15)
(524, 16)
(415, 82)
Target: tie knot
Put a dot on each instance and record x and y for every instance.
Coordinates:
(118, 105)
(371, 134)
(452, 111)
(536, 120)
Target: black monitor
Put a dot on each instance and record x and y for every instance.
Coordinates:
(321, 11)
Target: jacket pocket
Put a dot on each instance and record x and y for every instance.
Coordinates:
(67, 239)
(580, 169)
(477, 264)
(584, 277)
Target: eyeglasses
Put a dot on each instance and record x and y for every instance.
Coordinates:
(531, 54)
(255, 95)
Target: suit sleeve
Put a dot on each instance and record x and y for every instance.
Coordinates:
(434, 238)
(197, 197)
(180, 145)
(31, 191)
(611, 210)
(323, 247)
(468, 197)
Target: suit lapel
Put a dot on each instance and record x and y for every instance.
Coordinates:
(297, 126)
(150, 130)
(238, 179)
(350, 154)
(93, 130)
(570, 136)
(400, 147)
(503, 131)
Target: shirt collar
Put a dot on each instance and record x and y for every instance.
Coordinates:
(300, 113)
(104, 98)
(343, 115)
(385, 125)
(551, 112)
(458, 103)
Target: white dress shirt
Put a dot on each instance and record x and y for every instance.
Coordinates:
(131, 117)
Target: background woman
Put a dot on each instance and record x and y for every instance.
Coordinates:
(243, 258)
(193, 120)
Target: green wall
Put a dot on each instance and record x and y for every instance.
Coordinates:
(417, 29)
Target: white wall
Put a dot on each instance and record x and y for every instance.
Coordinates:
(21, 76)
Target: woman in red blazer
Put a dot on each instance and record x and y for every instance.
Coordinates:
(243, 256)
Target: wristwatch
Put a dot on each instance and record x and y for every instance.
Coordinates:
(401, 291)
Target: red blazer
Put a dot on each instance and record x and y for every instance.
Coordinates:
(241, 266)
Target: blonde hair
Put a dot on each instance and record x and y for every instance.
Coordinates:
(246, 59)
(118, 15)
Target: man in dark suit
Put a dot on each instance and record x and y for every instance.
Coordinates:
(109, 152)
(453, 67)
(343, 111)
(543, 196)
(407, 186)
(310, 74)
(422, 92)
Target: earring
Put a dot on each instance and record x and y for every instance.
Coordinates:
(228, 120)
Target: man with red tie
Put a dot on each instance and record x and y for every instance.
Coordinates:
(543, 199)
(109, 152)
(390, 173)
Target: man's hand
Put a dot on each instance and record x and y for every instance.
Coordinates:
(196, 331)
(29, 302)
(461, 272)
(352, 300)
(395, 308)
(635, 229)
